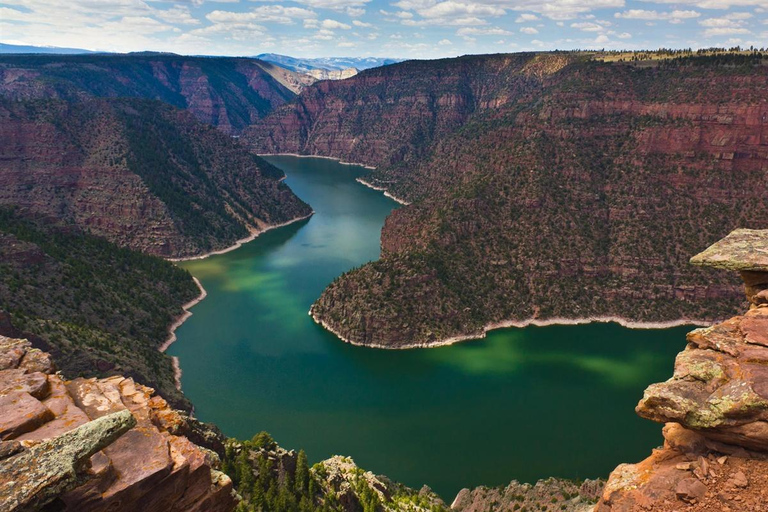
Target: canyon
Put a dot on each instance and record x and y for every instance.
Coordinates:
(541, 187)
(537, 188)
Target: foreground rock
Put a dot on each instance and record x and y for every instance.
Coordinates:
(38, 475)
(715, 406)
(546, 495)
(98, 444)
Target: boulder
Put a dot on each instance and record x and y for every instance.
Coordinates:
(42, 473)
(66, 434)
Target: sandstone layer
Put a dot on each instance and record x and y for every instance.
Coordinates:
(97, 444)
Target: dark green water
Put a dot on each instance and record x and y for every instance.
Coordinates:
(521, 404)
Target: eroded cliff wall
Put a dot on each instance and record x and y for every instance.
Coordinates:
(549, 187)
(141, 174)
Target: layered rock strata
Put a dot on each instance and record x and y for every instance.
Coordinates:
(558, 189)
(97, 444)
(715, 406)
(139, 173)
(229, 93)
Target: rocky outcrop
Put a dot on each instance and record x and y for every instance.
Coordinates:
(139, 173)
(97, 444)
(715, 406)
(354, 489)
(33, 477)
(269, 477)
(550, 495)
(566, 190)
(229, 93)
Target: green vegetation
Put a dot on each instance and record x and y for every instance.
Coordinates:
(271, 479)
(99, 308)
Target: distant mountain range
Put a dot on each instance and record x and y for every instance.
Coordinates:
(327, 63)
(16, 48)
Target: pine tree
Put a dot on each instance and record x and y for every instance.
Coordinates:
(302, 473)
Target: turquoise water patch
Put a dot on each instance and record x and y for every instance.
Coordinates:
(520, 404)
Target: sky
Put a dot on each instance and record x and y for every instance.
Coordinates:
(381, 28)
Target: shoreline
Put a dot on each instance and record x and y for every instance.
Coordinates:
(239, 243)
(203, 294)
(382, 189)
(318, 156)
(629, 324)
(340, 161)
(176, 324)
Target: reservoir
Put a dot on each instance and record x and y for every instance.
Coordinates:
(520, 404)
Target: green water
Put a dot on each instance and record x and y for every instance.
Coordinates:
(521, 404)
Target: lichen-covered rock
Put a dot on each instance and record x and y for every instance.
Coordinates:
(720, 384)
(42, 473)
(70, 430)
(742, 249)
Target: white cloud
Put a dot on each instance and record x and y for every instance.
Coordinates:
(728, 25)
(359, 23)
(725, 31)
(262, 14)
(529, 30)
(587, 26)
(444, 42)
(524, 18)
(675, 16)
(453, 8)
(713, 4)
(347, 6)
(333, 24)
(354, 12)
(324, 35)
(495, 31)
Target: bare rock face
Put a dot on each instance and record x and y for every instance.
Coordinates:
(744, 250)
(97, 444)
(715, 406)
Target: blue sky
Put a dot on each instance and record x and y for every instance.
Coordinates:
(385, 28)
